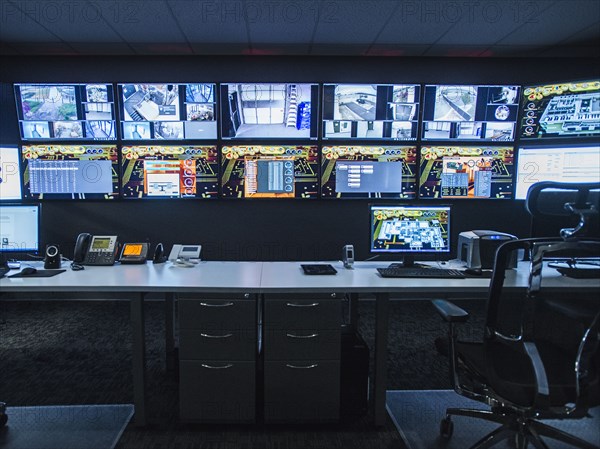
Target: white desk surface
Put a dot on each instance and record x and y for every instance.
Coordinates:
(256, 277)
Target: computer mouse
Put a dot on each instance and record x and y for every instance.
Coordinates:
(474, 271)
(28, 270)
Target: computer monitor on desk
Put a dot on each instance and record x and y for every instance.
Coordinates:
(19, 229)
(409, 231)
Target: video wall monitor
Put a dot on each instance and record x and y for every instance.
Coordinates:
(460, 112)
(66, 111)
(409, 231)
(561, 110)
(170, 172)
(371, 111)
(70, 172)
(566, 164)
(260, 171)
(466, 172)
(19, 228)
(369, 172)
(269, 111)
(10, 173)
(168, 111)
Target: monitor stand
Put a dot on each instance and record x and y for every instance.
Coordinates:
(408, 261)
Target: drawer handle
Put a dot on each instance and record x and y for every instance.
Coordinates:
(229, 365)
(295, 304)
(302, 336)
(225, 304)
(216, 336)
(302, 367)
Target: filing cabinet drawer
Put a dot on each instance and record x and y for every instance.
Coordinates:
(217, 344)
(316, 344)
(217, 391)
(302, 391)
(217, 313)
(302, 312)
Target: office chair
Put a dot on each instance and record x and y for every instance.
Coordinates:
(540, 355)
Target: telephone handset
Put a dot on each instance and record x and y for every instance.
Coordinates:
(95, 250)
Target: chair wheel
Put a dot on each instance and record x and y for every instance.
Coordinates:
(446, 428)
(3, 419)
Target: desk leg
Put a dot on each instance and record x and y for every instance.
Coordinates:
(169, 331)
(353, 306)
(380, 369)
(139, 359)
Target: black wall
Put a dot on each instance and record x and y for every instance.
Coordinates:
(265, 229)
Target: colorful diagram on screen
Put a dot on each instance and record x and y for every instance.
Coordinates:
(170, 171)
(466, 172)
(269, 171)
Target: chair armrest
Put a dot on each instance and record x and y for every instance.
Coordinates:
(450, 312)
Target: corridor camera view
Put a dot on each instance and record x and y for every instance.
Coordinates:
(170, 172)
(561, 110)
(269, 171)
(470, 112)
(466, 172)
(168, 111)
(66, 111)
(70, 172)
(369, 172)
(370, 111)
(411, 229)
(269, 111)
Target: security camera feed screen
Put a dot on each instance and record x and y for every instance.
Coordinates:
(170, 172)
(10, 174)
(567, 164)
(66, 111)
(470, 112)
(269, 171)
(269, 111)
(404, 229)
(76, 172)
(370, 111)
(561, 110)
(168, 111)
(369, 172)
(466, 172)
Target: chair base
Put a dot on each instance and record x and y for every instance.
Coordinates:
(524, 430)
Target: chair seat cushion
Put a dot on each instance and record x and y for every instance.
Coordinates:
(511, 375)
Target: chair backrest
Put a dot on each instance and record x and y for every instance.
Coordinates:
(515, 316)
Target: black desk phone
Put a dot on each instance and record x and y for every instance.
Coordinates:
(95, 249)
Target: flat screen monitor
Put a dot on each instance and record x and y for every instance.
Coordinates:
(568, 163)
(170, 171)
(70, 172)
(369, 172)
(66, 111)
(19, 228)
(561, 110)
(168, 111)
(10, 173)
(470, 112)
(466, 172)
(269, 111)
(261, 171)
(371, 111)
(409, 231)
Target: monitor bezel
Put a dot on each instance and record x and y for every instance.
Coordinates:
(19, 173)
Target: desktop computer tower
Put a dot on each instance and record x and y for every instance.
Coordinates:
(354, 368)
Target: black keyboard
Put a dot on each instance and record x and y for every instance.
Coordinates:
(398, 272)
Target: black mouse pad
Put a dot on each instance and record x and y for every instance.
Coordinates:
(318, 269)
(38, 274)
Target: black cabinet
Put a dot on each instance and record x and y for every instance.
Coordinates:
(301, 349)
(217, 352)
